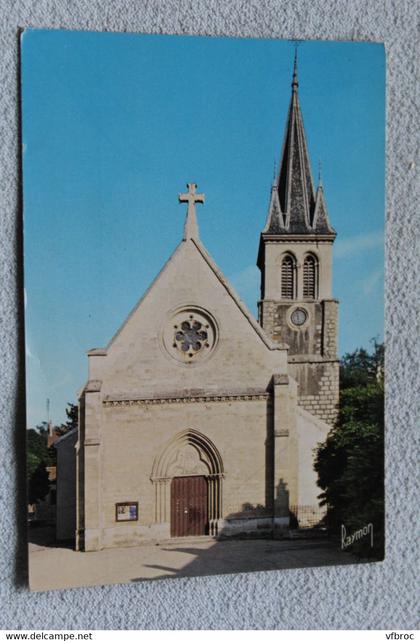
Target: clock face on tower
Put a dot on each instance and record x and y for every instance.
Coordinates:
(299, 316)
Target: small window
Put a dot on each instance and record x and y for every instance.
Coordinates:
(310, 277)
(288, 277)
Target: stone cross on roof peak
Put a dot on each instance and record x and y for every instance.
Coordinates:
(191, 197)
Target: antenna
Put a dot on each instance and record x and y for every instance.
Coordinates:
(48, 411)
(296, 44)
(319, 172)
(295, 83)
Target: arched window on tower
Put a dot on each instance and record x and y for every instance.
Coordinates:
(310, 277)
(288, 277)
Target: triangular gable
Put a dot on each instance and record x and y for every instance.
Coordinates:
(271, 345)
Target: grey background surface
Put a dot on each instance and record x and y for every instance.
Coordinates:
(380, 595)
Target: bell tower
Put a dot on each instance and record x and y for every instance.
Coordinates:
(295, 259)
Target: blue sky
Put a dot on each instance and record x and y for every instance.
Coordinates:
(114, 125)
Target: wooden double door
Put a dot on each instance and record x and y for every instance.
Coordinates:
(189, 506)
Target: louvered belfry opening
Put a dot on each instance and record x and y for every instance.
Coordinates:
(309, 277)
(288, 278)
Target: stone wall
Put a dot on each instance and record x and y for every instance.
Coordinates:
(312, 354)
(330, 328)
(306, 340)
(323, 401)
(137, 435)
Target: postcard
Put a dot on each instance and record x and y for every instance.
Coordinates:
(203, 247)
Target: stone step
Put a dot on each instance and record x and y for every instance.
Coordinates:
(182, 540)
(304, 533)
(308, 533)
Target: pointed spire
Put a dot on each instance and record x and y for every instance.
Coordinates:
(321, 223)
(296, 194)
(191, 225)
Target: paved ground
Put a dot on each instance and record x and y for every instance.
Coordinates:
(52, 567)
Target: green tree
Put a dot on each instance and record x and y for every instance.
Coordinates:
(72, 413)
(39, 485)
(40, 456)
(32, 462)
(37, 450)
(350, 464)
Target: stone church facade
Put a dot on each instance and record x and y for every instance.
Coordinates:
(197, 419)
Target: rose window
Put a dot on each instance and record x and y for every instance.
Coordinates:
(191, 336)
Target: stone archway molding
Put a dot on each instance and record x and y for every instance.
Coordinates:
(206, 449)
(208, 463)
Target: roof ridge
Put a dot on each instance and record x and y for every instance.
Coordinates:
(223, 280)
(236, 298)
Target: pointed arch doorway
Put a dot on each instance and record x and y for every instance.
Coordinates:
(188, 475)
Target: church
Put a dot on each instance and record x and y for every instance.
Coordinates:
(198, 419)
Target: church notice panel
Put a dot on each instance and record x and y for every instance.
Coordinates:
(189, 497)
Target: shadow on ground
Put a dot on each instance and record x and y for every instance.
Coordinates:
(232, 556)
(55, 565)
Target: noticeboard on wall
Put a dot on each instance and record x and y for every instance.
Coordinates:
(128, 511)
